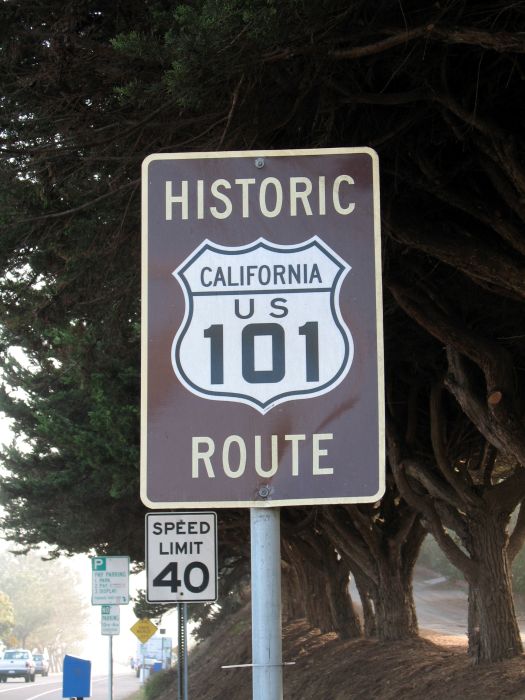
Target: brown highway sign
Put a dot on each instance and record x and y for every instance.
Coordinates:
(262, 347)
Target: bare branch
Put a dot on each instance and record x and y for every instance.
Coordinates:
(74, 210)
(433, 484)
(365, 527)
(348, 544)
(477, 260)
(440, 452)
(406, 526)
(398, 37)
(432, 521)
(505, 496)
(235, 97)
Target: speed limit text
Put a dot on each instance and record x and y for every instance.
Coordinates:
(176, 530)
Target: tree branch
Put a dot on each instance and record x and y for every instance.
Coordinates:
(438, 445)
(478, 261)
(346, 542)
(505, 496)
(435, 487)
(433, 523)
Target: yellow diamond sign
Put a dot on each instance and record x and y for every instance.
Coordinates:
(144, 629)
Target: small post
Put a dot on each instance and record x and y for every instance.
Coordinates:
(142, 673)
(185, 651)
(181, 651)
(267, 673)
(110, 670)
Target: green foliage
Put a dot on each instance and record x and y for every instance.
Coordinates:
(7, 615)
(46, 615)
(159, 683)
(154, 611)
(90, 89)
(79, 419)
(234, 593)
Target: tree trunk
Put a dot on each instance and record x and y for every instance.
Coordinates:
(319, 586)
(292, 593)
(473, 624)
(499, 636)
(395, 609)
(367, 598)
(316, 598)
(344, 619)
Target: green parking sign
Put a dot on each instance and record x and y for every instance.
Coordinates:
(110, 580)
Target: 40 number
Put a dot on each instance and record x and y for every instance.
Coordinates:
(169, 577)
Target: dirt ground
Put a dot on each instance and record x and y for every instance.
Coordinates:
(434, 667)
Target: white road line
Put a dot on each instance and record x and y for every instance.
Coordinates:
(57, 687)
(54, 690)
(22, 686)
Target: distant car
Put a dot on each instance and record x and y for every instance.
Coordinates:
(41, 664)
(17, 663)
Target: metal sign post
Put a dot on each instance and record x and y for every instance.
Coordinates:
(110, 625)
(267, 674)
(110, 668)
(182, 659)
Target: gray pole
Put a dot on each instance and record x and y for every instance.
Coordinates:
(110, 672)
(267, 674)
(185, 689)
(180, 652)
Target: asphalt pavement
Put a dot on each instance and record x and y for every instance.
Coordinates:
(50, 688)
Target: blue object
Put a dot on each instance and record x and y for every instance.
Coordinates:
(157, 666)
(76, 679)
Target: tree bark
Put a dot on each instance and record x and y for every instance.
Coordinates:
(395, 609)
(367, 602)
(292, 593)
(318, 587)
(457, 488)
(344, 619)
(382, 561)
(499, 635)
(473, 624)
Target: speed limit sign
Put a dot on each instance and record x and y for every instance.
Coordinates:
(181, 557)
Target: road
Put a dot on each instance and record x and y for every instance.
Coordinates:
(442, 605)
(50, 688)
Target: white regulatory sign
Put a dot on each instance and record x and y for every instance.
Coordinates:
(110, 580)
(181, 557)
(110, 619)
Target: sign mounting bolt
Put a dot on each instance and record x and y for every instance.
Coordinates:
(264, 491)
(259, 162)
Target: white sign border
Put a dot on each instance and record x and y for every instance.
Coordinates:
(177, 514)
(263, 503)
